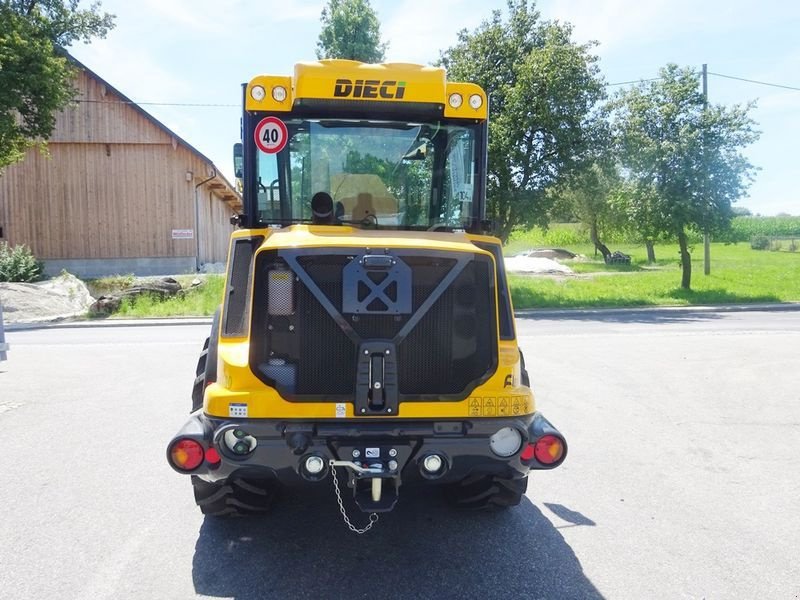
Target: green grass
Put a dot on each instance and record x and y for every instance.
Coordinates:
(201, 301)
(738, 275)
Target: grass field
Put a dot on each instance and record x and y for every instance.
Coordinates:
(738, 275)
(196, 302)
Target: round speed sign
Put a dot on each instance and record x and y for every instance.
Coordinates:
(271, 135)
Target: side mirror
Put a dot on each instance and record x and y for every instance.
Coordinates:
(238, 160)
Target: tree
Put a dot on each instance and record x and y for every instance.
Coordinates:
(641, 216)
(35, 75)
(589, 192)
(350, 29)
(683, 156)
(542, 89)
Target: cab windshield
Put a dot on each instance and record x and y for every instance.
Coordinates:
(385, 174)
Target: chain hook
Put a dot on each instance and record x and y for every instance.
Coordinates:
(373, 517)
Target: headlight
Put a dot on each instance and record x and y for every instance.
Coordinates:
(456, 100)
(505, 442)
(257, 92)
(475, 101)
(279, 93)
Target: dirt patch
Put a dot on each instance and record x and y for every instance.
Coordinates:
(535, 265)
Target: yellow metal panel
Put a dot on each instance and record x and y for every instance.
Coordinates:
(349, 80)
(268, 104)
(352, 80)
(500, 396)
(465, 111)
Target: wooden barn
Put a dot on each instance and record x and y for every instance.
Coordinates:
(118, 193)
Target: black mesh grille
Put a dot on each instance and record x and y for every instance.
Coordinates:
(453, 344)
(237, 308)
(327, 357)
(449, 350)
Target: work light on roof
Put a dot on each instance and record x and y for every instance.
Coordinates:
(456, 100)
(279, 93)
(475, 101)
(258, 93)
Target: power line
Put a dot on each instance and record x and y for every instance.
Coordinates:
(776, 85)
(617, 83)
(754, 81)
(633, 81)
(159, 103)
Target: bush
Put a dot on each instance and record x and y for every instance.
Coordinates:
(759, 242)
(18, 264)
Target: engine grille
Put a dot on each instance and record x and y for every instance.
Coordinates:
(445, 353)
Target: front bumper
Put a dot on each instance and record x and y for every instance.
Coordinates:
(283, 446)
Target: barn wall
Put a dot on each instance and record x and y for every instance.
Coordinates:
(101, 200)
(109, 193)
(214, 228)
(103, 117)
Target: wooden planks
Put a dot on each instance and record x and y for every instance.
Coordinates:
(114, 185)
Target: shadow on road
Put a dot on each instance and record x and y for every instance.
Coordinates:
(420, 550)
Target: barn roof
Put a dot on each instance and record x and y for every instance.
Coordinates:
(214, 180)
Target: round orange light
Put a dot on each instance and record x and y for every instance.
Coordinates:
(187, 454)
(548, 449)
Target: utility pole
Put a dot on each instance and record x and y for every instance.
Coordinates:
(706, 239)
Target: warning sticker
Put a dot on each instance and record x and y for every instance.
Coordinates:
(475, 407)
(489, 407)
(271, 135)
(503, 407)
(341, 410)
(236, 409)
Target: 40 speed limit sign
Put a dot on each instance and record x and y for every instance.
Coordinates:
(271, 135)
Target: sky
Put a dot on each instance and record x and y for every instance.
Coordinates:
(201, 51)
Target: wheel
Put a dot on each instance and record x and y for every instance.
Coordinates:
(526, 380)
(235, 497)
(206, 371)
(486, 492)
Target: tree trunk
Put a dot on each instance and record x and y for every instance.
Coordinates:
(598, 245)
(651, 251)
(686, 261)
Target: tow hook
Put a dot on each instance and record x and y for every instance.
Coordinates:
(373, 517)
(374, 469)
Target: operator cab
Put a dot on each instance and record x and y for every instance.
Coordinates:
(380, 171)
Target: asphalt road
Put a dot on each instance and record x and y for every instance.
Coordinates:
(683, 478)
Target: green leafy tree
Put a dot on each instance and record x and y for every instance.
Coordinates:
(589, 193)
(683, 157)
(543, 88)
(641, 216)
(350, 29)
(35, 76)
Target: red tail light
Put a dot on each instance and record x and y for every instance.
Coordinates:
(527, 453)
(212, 456)
(548, 449)
(186, 454)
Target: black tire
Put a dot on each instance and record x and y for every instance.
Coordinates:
(486, 492)
(234, 498)
(526, 380)
(206, 371)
